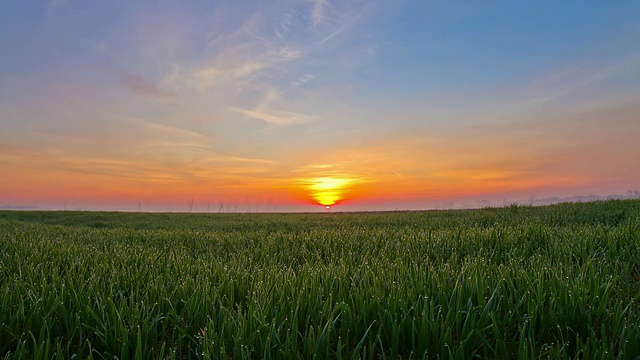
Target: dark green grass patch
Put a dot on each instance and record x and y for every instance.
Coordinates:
(558, 282)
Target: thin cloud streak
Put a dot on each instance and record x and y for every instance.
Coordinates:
(281, 118)
(318, 11)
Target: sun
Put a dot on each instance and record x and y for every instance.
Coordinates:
(327, 191)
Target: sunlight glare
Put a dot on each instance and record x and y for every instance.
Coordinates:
(327, 191)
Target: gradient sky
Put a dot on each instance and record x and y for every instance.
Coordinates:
(281, 105)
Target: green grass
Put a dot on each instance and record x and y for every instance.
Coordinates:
(556, 282)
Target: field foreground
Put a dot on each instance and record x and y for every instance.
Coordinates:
(561, 281)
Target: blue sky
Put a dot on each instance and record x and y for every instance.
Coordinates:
(411, 103)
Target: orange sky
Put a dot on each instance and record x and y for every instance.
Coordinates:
(400, 170)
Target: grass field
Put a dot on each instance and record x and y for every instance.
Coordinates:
(559, 282)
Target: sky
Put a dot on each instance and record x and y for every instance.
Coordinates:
(295, 105)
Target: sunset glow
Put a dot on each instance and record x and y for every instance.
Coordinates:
(296, 106)
(328, 191)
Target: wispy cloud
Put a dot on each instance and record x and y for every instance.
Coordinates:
(318, 11)
(257, 51)
(164, 131)
(563, 82)
(331, 19)
(246, 160)
(304, 79)
(338, 169)
(281, 118)
(283, 26)
(581, 81)
(240, 64)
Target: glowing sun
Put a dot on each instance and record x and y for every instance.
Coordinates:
(327, 191)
